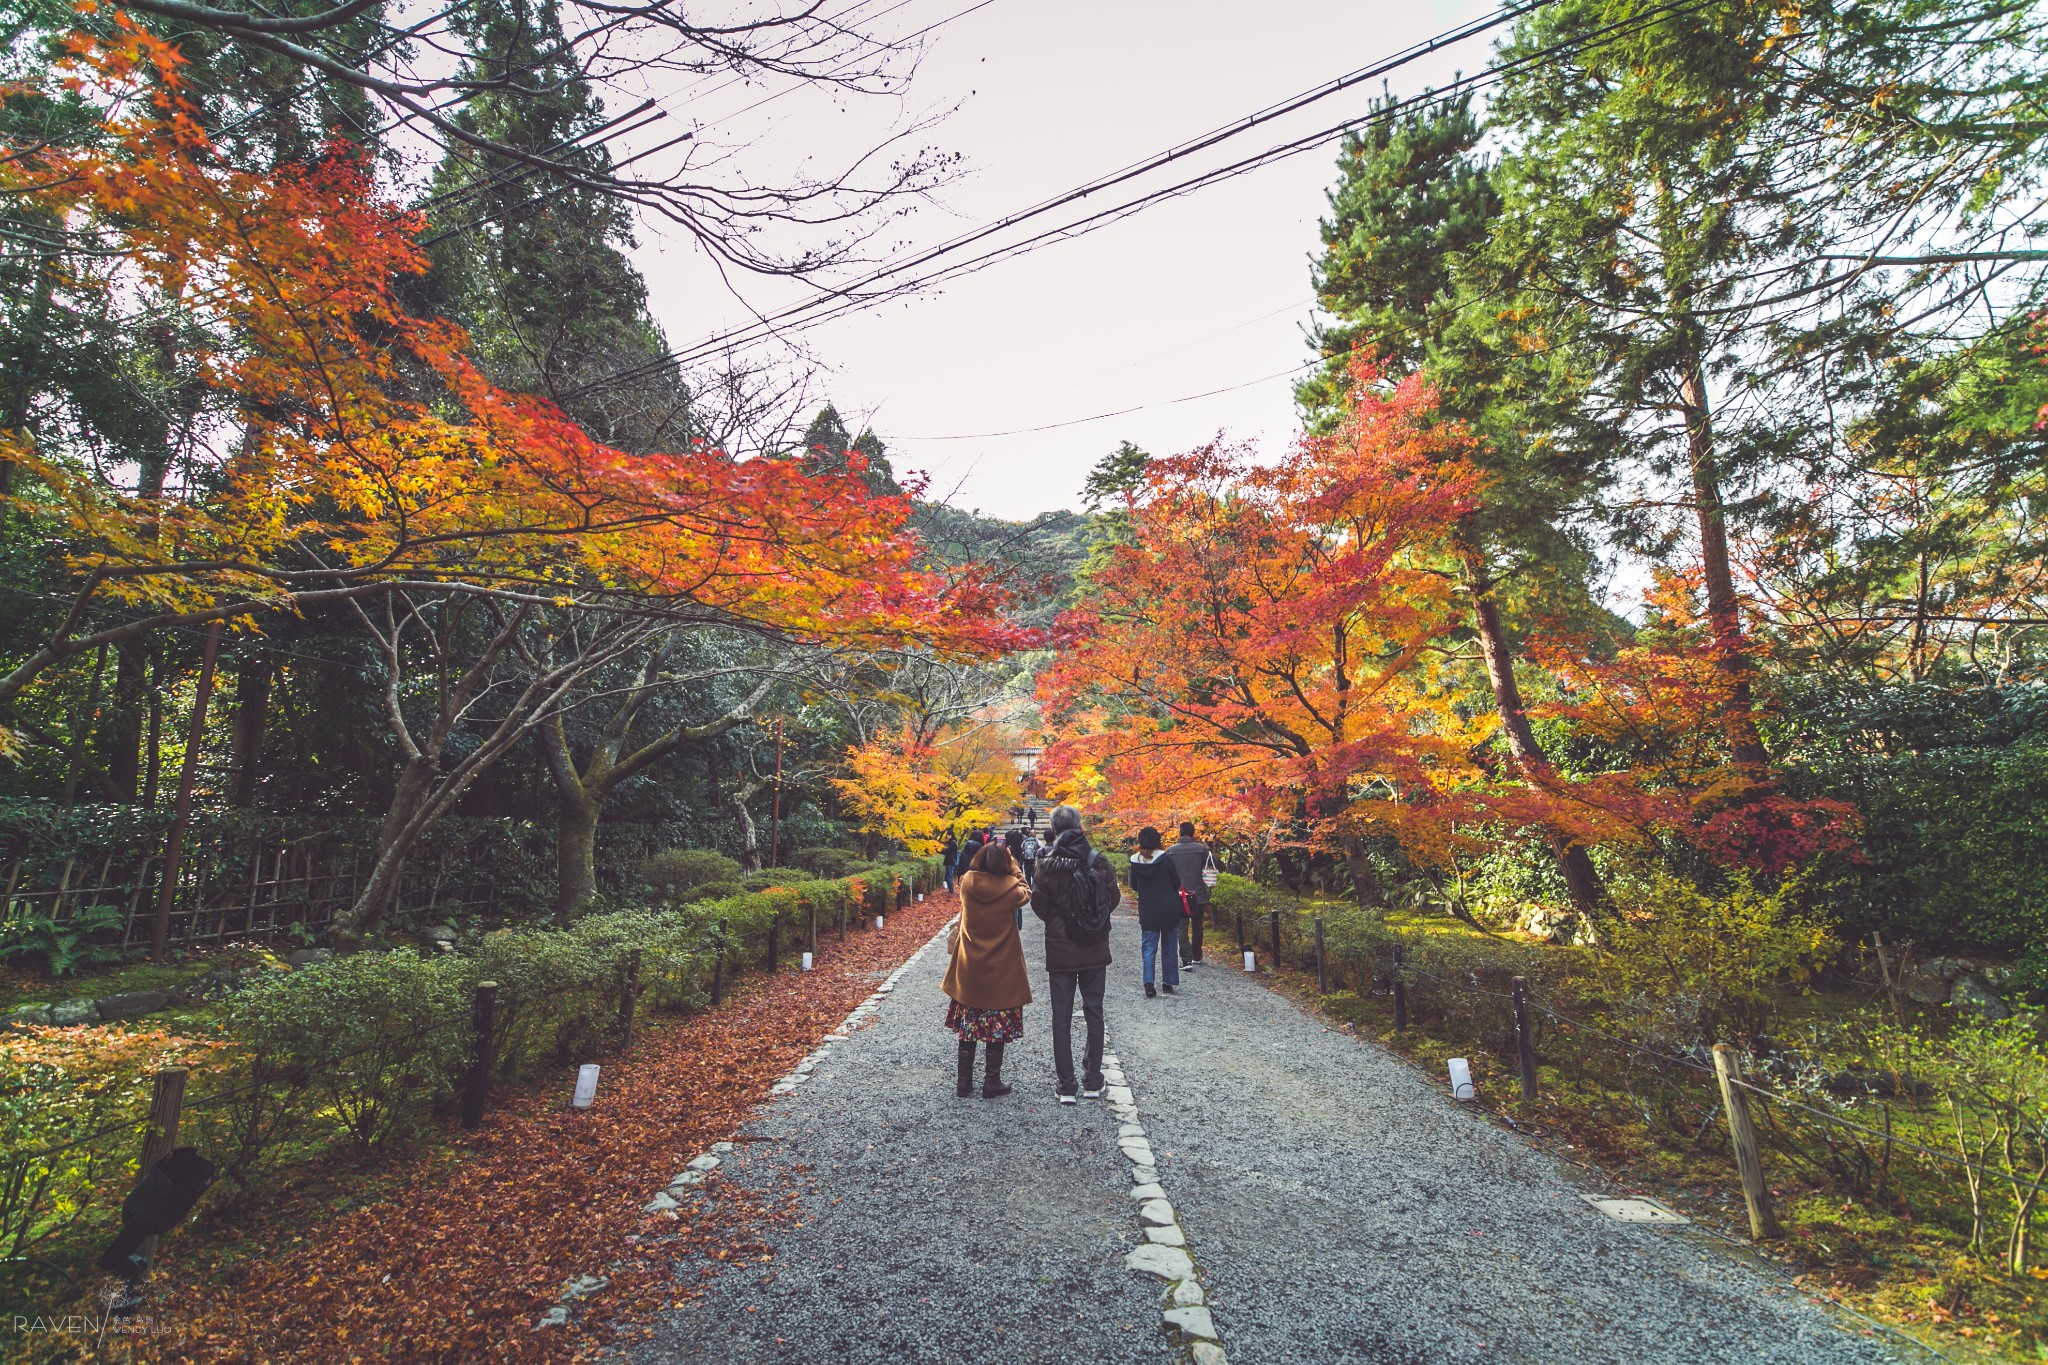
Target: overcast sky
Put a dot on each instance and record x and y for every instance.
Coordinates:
(1207, 292)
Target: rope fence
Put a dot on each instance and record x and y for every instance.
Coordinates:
(1879, 1143)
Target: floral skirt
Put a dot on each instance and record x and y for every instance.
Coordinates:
(985, 1026)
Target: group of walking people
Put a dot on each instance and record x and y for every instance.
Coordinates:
(958, 856)
(1073, 889)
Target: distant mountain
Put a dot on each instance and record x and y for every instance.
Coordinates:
(1042, 555)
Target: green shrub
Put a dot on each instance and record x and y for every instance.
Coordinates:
(775, 876)
(378, 1036)
(1693, 967)
(680, 871)
(551, 985)
(1234, 895)
(1992, 1079)
(716, 891)
(825, 863)
(58, 1085)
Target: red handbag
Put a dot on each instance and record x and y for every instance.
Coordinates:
(1187, 904)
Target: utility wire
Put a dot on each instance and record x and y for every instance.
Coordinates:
(828, 304)
(1120, 412)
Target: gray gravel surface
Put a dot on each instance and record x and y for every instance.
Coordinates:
(932, 1228)
(1341, 1208)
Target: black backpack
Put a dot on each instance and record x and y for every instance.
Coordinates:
(1092, 893)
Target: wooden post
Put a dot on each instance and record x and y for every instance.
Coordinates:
(1322, 975)
(718, 966)
(842, 915)
(1525, 1042)
(166, 1104)
(774, 941)
(813, 937)
(902, 894)
(1240, 933)
(1273, 923)
(629, 995)
(483, 1023)
(1763, 1221)
(1400, 994)
(181, 817)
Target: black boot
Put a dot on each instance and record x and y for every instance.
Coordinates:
(965, 1087)
(992, 1086)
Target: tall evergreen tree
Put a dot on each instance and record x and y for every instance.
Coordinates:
(535, 267)
(1413, 203)
(827, 444)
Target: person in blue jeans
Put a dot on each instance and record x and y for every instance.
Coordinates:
(1158, 886)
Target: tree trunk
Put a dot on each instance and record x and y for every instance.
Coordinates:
(395, 840)
(252, 716)
(1581, 880)
(1724, 607)
(576, 850)
(1365, 882)
(121, 751)
(750, 847)
(153, 746)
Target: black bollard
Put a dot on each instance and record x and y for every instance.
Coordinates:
(1400, 994)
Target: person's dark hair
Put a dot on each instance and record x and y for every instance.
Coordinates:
(1063, 819)
(1187, 829)
(1148, 839)
(1014, 840)
(993, 859)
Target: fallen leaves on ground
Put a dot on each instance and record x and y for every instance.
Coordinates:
(462, 1254)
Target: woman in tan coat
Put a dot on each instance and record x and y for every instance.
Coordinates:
(985, 976)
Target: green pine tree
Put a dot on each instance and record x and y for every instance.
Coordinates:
(534, 265)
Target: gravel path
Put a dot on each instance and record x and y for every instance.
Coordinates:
(1343, 1209)
(932, 1228)
(1338, 1206)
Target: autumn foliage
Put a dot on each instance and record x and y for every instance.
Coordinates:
(914, 791)
(1270, 639)
(351, 444)
(1286, 647)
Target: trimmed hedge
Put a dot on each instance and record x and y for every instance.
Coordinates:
(370, 1048)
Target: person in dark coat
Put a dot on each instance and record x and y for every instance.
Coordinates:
(1190, 855)
(951, 855)
(985, 975)
(1014, 841)
(1157, 883)
(967, 852)
(1073, 962)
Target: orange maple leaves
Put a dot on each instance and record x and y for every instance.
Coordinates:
(350, 442)
(1266, 639)
(1284, 647)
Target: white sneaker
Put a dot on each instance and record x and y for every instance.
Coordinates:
(1066, 1098)
(1094, 1094)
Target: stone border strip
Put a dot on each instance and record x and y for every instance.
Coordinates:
(699, 1168)
(1184, 1311)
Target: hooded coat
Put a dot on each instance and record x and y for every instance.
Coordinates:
(1157, 883)
(1058, 861)
(986, 967)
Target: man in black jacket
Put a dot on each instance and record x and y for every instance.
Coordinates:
(1073, 958)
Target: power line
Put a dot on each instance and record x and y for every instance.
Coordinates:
(829, 304)
(1121, 412)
